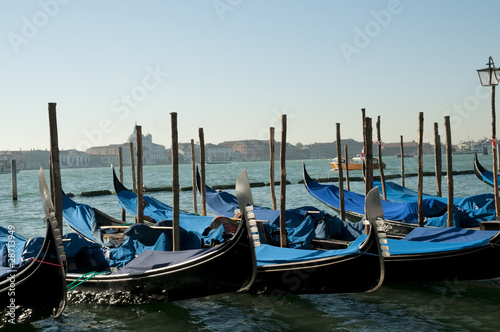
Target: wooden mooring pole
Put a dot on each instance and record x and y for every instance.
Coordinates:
(368, 160)
(203, 189)
(193, 170)
(449, 171)
(341, 179)
(271, 168)
(140, 204)
(175, 183)
(402, 163)
(120, 163)
(346, 154)
(13, 173)
(283, 233)
(380, 163)
(437, 159)
(420, 180)
(132, 166)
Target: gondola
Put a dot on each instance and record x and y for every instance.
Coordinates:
(425, 254)
(357, 268)
(483, 174)
(436, 253)
(155, 273)
(401, 218)
(35, 288)
(468, 212)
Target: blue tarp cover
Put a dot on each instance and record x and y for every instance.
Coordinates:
(269, 255)
(149, 260)
(16, 249)
(160, 211)
(467, 212)
(405, 212)
(448, 234)
(224, 203)
(81, 218)
(399, 194)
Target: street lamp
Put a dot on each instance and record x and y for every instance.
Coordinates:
(489, 76)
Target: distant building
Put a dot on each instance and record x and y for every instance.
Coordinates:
(74, 159)
(152, 154)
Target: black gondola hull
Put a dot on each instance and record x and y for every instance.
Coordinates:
(465, 264)
(361, 272)
(228, 267)
(37, 289)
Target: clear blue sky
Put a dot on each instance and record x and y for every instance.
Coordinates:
(232, 67)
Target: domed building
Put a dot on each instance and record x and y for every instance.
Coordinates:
(152, 154)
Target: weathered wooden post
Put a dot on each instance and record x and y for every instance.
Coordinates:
(55, 166)
(132, 166)
(368, 159)
(402, 163)
(13, 173)
(348, 187)
(193, 169)
(140, 204)
(437, 159)
(420, 170)
(340, 171)
(175, 183)
(449, 171)
(203, 189)
(380, 163)
(271, 168)
(283, 233)
(120, 163)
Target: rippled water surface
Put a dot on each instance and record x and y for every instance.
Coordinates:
(447, 306)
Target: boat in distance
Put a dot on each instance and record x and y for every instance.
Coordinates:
(354, 164)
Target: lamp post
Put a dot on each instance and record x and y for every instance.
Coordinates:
(489, 76)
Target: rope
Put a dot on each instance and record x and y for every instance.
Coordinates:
(92, 274)
(36, 260)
